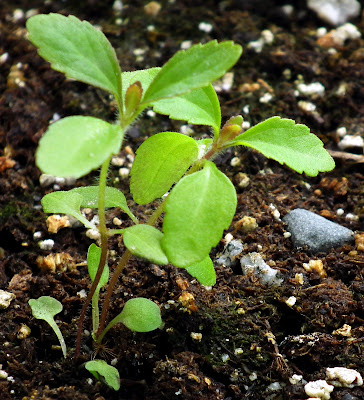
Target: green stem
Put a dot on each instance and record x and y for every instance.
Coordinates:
(59, 335)
(104, 248)
(110, 289)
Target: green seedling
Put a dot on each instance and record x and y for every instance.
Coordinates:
(46, 308)
(197, 200)
(104, 372)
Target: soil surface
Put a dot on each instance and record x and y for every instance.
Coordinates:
(239, 339)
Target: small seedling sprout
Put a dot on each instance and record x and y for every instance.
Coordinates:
(104, 372)
(46, 308)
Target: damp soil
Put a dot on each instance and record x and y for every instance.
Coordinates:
(238, 339)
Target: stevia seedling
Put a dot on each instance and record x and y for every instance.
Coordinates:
(202, 201)
(46, 307)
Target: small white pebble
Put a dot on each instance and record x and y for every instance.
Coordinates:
(3, 58)
(18, 14)
(294, 379)
(205, 27)
(186, 44)
(349, 141)
(5, 299)
(37, 235)
(117, 6)
(116, 221)
(351, 217)
(124, 173)
(287, 235)
(253, 376)
(340, 212)
(291, 301)
(46, 244)
(196, 336)
(312, 89)
(235, 162)
(266, 98)
(82, 294)
(93, 234)
(344, 377)
(341, 131)
(320, 389)
(306, 106)
(3, 374)
(150, 113)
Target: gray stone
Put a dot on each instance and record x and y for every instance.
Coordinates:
(316, 232)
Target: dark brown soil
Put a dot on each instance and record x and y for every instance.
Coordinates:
(250, 336)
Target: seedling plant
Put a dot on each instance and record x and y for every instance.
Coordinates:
(197, 200)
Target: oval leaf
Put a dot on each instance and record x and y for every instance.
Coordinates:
(113, 198)
(193, 68)
(77, 49)
(140, 315)
(65, 202)
(101, 370)
(199, 208)
(199, 107)
(74, 146)
(45, 307)
(203, 271)
(144, 241)
(288, 143)
(160, 162)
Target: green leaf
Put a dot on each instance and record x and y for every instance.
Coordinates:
(144, 241)
(203, 271)
(46, 307)
(104, 372)
(288, 143)
(74, 146)
(160, 162)
(140, 315)
(193, 68)
(65, 202)
(144, 76)
(199, 107)
(93, 259)
(113, 198)
(199, 208)
(77, 49)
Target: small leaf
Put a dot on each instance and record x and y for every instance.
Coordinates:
(193, 68)
(288, 143)
(93, 260)
(77, 49)
(65, 202)
(144, 241)
(203, 271)
(74, 146)
(144, 76)
(113, 198)
(199, 107)
(141, 315)
(46, 307)
(160, 162)
(101, 370)
(132, 98)
(198, 209)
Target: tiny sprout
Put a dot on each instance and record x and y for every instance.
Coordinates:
(46, 308)
(104, 372)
